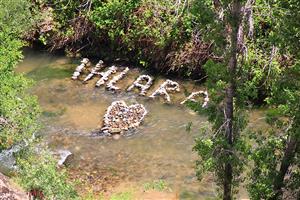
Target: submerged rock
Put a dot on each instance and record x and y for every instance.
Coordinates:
(116, 136)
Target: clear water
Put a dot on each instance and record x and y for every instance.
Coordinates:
(160, 149)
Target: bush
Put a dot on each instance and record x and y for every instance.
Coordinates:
(157, 33)
(38, 174)
(18, 109)
(149, 31)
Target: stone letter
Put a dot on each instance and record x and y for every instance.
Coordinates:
(111, 86)
(163, 89)
(84, 63)
(105, 75)
(99, 66)
(194, 94)
(137, 83)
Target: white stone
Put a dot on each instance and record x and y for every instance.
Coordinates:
(111, 84)
(164, 88)
(95, 71)
(137, 83)
(84, 63)
(105, 75)
(192, 96)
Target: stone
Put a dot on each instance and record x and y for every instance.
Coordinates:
(116, 136)
(63, 156)
(105, 75)
(84, 63)
(164, 88)
(119, 117)
(7, 158)
(192, 96)
(116, 130)
(95, 71)
(137, 83)
(115, 79)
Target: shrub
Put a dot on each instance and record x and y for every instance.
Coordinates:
(38, 174)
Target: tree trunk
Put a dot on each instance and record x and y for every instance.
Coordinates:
(286, 162)
(229, 107)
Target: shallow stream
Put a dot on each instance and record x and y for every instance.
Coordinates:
(160, 149)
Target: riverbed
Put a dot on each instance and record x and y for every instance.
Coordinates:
(160, 149)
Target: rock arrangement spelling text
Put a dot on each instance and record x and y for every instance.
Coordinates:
(142, 83)
(119, 117)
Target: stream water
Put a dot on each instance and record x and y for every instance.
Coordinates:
(160, 149)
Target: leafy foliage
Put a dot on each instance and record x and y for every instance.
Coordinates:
(20, 110)
(258, 74)
(271, 150)
(152, 33)
(158, 185)
(39, 173)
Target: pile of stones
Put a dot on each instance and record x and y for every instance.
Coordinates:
(95, 71)
(120, 117)
(105, 75)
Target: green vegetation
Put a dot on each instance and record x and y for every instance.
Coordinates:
(247, 75)
(16, 107)
(40, 173)
(152, 33)
(19, 112)
(159, 185)
(246, 52)
(122, 196)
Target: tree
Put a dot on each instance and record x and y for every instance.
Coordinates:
(276, 158)
(19, 110)
(222, 152)
(276, 172)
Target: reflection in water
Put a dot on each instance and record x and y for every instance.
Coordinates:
(160, 149)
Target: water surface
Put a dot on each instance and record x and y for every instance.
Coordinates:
(160, 149)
